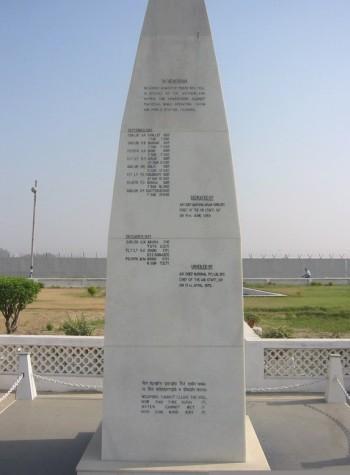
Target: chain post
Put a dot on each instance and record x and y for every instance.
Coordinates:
(27, 390)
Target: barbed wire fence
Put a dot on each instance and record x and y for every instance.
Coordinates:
(297, 255)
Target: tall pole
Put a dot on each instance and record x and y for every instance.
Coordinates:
(34, 191)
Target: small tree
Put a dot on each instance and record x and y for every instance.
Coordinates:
(15, 294)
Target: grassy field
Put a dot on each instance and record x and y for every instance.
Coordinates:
(308, 311)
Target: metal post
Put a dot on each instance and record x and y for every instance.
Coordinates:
(34, 191)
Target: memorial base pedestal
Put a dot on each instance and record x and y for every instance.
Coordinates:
(91, 463)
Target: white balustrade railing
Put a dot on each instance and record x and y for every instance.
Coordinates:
(269, 362)
(274, 362)
(74, 359)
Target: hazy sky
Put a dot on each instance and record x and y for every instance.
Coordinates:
(285, 71)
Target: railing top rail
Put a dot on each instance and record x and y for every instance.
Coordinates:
(99, 341)
(61, 340)
(297, 342)
(305, 343)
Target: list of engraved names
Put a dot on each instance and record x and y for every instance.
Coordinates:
(148, 162)
(147, 250)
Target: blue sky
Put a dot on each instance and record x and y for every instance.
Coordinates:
(285, 71)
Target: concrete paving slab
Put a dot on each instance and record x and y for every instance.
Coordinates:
(302, 432)
(7, 402)
(47, 435)
(50, 434)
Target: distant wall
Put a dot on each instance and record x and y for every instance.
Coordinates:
(288, 268)
(54, 266)
(96, 267)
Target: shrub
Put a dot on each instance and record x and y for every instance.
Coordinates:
(279, 332)
(92, 291)
(49, 327)
(15, 294)
(251, 318)
(77, 326)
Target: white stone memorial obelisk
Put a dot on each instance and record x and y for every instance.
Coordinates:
(174, 370)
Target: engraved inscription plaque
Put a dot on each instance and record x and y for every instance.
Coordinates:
(174, 397)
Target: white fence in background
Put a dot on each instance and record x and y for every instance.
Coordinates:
(269, 362)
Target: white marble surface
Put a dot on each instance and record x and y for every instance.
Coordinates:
(200, 165)
(209, 379)
(146, 305)
(174, 323)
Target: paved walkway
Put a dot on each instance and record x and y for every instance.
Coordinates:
(302, 432)
(47, 436)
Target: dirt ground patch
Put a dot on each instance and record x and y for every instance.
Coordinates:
(54, 306)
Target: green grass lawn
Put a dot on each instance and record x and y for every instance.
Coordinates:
(307, 312)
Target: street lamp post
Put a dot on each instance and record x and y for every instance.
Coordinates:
(34, 190)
